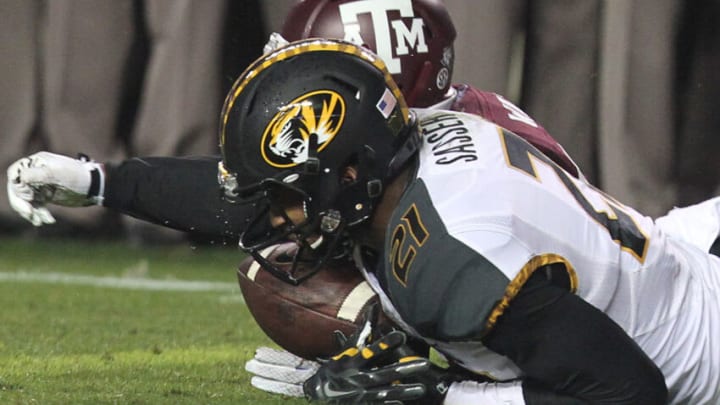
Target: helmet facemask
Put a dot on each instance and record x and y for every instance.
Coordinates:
(313, 224)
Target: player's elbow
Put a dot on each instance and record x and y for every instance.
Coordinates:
(645, 385)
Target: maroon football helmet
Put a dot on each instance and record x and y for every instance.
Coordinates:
(413, 37)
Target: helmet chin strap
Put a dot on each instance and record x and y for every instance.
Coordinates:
(406, 151)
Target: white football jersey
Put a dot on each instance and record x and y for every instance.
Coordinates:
(510, 205)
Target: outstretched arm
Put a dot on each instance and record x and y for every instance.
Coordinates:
(177, 192)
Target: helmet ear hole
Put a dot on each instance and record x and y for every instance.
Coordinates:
(349, 170)
(352, 160)
(348, 175)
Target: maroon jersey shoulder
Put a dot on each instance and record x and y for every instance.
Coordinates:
(495, 108)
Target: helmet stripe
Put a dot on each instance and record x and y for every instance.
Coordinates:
(304, 46)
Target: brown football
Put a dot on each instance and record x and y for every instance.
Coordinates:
(301, 319)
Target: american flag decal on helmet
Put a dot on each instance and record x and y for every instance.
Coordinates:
(387, 103)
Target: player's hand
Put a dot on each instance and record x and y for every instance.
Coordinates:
(279, 371)
(44, 177)
(383, 372)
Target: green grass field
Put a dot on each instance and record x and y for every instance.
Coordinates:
(105, 323)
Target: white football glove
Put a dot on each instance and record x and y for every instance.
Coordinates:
(280, 372)
(44, 177)
(473, 392)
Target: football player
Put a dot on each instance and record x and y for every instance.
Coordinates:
(475, 241)
(161, 189)
(415, 37)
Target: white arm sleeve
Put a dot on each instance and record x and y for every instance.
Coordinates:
(471, 392)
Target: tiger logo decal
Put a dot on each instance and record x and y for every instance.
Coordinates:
(286, 139)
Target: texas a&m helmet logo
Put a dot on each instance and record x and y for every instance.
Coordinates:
(286, 138)
(407, 38)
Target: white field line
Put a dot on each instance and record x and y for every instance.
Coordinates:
(118, 282)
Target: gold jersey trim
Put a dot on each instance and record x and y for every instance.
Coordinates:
(512, 290)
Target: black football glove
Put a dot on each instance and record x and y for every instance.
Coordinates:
(385, 372)
(367, 375)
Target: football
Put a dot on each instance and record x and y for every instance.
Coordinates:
(302, 318)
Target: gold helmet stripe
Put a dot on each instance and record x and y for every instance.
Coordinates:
(303, 46)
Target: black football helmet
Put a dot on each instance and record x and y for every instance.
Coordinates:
(413, 37)
(293, 122)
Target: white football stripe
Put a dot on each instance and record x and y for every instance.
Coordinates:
(117, 282)
(350, 308)
(255, 266)
(253, 270)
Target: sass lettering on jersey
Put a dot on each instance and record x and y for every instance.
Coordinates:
(448, 138)
(407, 38)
